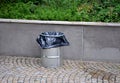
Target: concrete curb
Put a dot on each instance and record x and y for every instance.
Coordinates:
(58, 22)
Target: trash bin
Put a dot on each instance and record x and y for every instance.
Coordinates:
(51, 43)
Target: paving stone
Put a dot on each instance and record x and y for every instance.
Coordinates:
(29, 70)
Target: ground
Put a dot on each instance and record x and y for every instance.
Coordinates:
(29, 70)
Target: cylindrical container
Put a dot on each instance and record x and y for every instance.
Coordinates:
(51, 42)
(51, 57)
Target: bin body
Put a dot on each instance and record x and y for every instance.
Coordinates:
(51, 57)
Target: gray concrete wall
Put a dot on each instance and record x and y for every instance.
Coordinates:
(20, 39)
(102, 43)
(98, 42)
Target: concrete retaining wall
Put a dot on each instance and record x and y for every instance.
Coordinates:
(88, 40)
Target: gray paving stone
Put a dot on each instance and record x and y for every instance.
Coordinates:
(73, 71)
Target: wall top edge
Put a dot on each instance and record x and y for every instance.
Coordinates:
(57, 22)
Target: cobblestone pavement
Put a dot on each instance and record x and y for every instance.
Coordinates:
(29, 70)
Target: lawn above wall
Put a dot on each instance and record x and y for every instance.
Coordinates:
(62, 10)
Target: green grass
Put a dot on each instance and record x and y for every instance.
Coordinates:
(63, 10)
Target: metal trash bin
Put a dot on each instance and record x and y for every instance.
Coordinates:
(51, 57)
(51, 43)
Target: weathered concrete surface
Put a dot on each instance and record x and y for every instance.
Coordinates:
(87, 41)
(20, 39)
(102, 43)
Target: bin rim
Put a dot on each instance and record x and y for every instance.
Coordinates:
(52, 35)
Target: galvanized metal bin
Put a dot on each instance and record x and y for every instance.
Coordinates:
(51, 42)
(51, 57)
